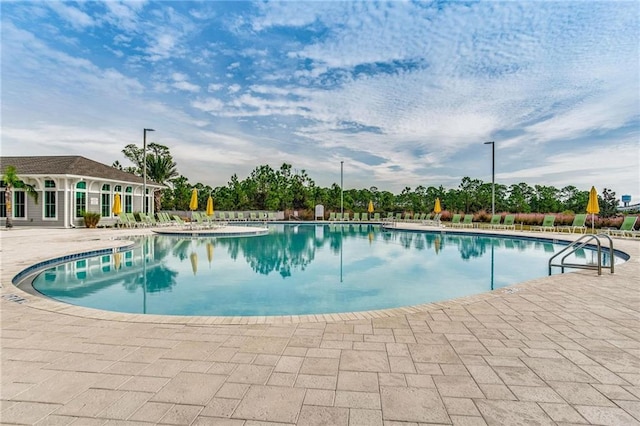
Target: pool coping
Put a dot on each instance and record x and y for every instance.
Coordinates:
(39, 301)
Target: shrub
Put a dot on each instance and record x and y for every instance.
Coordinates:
(91, 219)
(482, 216)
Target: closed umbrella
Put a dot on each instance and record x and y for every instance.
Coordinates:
(210, 206)
(117, 205)
(437, 208)
(592, 206)
(193, 204)
(370, 208)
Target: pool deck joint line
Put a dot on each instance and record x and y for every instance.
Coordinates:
(563, 349)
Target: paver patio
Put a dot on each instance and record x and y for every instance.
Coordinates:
(558, 350)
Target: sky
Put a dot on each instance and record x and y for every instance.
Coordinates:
(404, 93)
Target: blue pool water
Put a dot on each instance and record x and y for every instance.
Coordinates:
(296, 270)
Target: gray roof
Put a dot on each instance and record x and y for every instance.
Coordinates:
(68, 165)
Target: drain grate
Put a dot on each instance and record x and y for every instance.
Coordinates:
(14, 298)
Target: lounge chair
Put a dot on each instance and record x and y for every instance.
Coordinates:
(132, 220)
(198, 220)
(338, 216)
(376, 217)
(165, 219)
(626, 229)
(346, 217)
(577, 225)
(495, 221)
(509, 222)
(356, 217)
(398, 217)
(455, 220)
(271, 216)
(123, 221)
(332, 216)
(253, 216)
(179, 221)
(241, 216)
(547, 224)
(148, 219)
(364, 217)
(467, 221)
(432, 222)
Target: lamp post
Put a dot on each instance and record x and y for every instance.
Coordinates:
(493, 176)
(341, 189)
(144, 169)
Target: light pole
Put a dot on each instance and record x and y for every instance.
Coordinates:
(493, 176)
(144, 169)
(341, 189)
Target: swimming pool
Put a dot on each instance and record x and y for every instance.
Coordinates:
(297, 270)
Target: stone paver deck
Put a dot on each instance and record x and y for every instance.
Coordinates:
(558, 350)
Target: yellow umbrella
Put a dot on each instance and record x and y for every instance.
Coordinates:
(370, 208)
(210, 206)
(209, 253)
(437, 207)
(592, 206)
(117, 205)
(194, 262)
(193, 204)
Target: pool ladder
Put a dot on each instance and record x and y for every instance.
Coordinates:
(579, 244)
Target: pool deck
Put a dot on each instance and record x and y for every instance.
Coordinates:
(557, 350)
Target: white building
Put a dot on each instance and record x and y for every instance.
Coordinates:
(69, 185)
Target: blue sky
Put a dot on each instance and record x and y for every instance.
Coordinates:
(405, 93)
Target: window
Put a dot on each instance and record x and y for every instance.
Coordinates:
(3, 204)
(18, 204)
(81, 198)
(128, 200)
(49, 200)
(105, 199)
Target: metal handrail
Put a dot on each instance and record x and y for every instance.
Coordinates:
(579, 244)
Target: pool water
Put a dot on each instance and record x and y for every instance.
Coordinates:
(297, 270)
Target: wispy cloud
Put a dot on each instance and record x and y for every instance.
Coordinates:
(72, 16)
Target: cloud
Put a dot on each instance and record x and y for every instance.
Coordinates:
(403, 92)
(180, 82)
(209, 105)
(72, 16)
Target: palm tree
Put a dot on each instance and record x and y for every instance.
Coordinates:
(160, 169)
(12, 180)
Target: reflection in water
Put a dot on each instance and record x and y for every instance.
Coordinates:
(210, 253)
(144, 267)
(295, 270)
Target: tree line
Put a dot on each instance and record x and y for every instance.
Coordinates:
(285, 189)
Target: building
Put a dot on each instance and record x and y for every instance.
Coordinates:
(69, 185)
